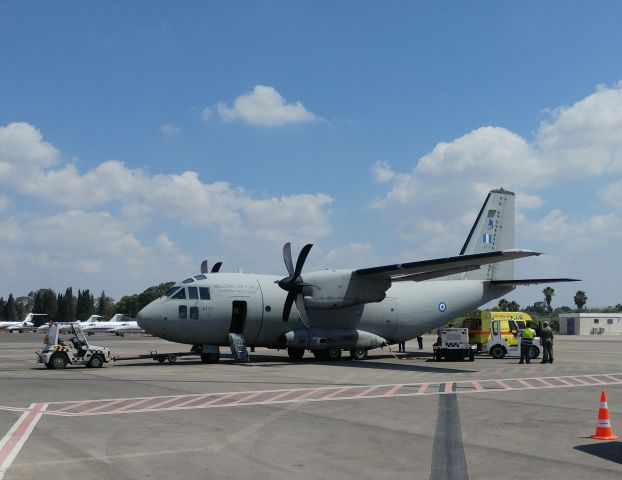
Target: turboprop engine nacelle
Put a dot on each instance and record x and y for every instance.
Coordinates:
(321, 338)
(341, 288)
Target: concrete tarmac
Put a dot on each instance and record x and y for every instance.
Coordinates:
(385, 417)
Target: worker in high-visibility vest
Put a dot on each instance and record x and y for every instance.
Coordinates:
(527, 336)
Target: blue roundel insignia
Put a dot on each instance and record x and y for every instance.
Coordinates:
(442, 306)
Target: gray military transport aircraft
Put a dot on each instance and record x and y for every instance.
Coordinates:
(336, 310)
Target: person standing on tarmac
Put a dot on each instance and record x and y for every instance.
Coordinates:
(546, 338)
(527, 335)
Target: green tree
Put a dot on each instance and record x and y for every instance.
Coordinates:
(105, 306)
(504, 305)
(128, 305)
(1, 308)
(513, 307)
(10, 310)
(45, 301)
(71, 302)
(62, 311)
(152, 293)
(548, 296)
(580, 299)
(85, 305)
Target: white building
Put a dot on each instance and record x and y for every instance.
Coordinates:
(590, 323)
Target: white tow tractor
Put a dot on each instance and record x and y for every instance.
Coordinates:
(498, 347)
(453, 344)
(76, 350)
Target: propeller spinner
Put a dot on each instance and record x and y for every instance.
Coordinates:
(293, 283)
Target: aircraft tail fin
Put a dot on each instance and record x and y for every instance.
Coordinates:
(493, 230)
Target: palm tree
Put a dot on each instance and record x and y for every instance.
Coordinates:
(548, 296)
(503, 305)
(580, 299)
(513, 306)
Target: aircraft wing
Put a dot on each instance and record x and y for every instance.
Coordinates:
(531, 281)
(441, 267)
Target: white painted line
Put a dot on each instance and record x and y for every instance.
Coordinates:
(336, 392)
(393, 391)
(525, 383)
(16, 437)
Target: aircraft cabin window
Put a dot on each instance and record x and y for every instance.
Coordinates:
(194, 313)
(183, 312)
(200, 277)
(170, 291)
(181, 295)
(193, 294)
(188, 280)
(204, 291)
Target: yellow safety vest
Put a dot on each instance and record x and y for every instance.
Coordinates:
(529, 333)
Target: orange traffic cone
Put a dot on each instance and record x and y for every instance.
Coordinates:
(603, 425)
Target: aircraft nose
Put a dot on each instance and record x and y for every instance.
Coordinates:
(147, 318)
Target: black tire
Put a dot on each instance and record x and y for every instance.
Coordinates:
(534, 352)
(295, 353)
(160, 359)
(172, 358)
(497, 352)
(438, 356)
(58, 361)
(48, 365)
(96, 361)
(471, 356)
(210, 357)
(333, 353)
(358, 353)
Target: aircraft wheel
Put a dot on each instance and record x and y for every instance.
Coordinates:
(210, 357)
(295, 353)
(58, 361)
(497, 352)
(96, 361)
(320, 354)
(333, 353)
(358, 353)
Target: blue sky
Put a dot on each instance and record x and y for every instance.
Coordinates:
(138, 138)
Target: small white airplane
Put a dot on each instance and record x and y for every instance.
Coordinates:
(25, 325)
(66, 326)
(338, 310)
(119, 323)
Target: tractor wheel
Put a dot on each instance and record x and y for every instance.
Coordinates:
(333, 353)
(295, 353)
(96, 361)
(58, 361)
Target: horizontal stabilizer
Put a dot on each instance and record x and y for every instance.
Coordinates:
(532, 281)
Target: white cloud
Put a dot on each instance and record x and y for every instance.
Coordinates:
(265, 107)
(206, 113)
(352, 255)
(382, 172)
(170, 130)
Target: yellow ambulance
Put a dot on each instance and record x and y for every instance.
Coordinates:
(478, 324)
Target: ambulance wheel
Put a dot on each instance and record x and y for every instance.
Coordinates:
(210, 357)
(358, 353)
(497, 352)
(58, 361)
(534, 352)
(48, 365)
(96, 361)
(295, 353)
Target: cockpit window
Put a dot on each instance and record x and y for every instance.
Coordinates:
(181, 295)
(193, 294)
(204, 291)
(200, 277)
(170, 291)
(188, 280)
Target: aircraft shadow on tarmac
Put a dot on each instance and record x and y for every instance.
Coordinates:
(611, 451)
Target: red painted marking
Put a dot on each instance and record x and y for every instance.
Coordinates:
(477, 385)
(279, 396)
(218, 399)
(101, 407)
(165, 402)
(246, 398)
(368, 391)
(422, 389)
(336, 392)
(545, 382)
(581, 381)
(610, 377)
(24, 422)
(393, 390)
(503, 385)
(525, 383)
(133, 404)
(305, 395)
(192, 400)
(71, 405)
(593, 377)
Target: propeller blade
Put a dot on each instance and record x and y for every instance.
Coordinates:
(287, 257)
(289, 301)
(216, 267)
(204, 267)
(300, 305)
(301, 258)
